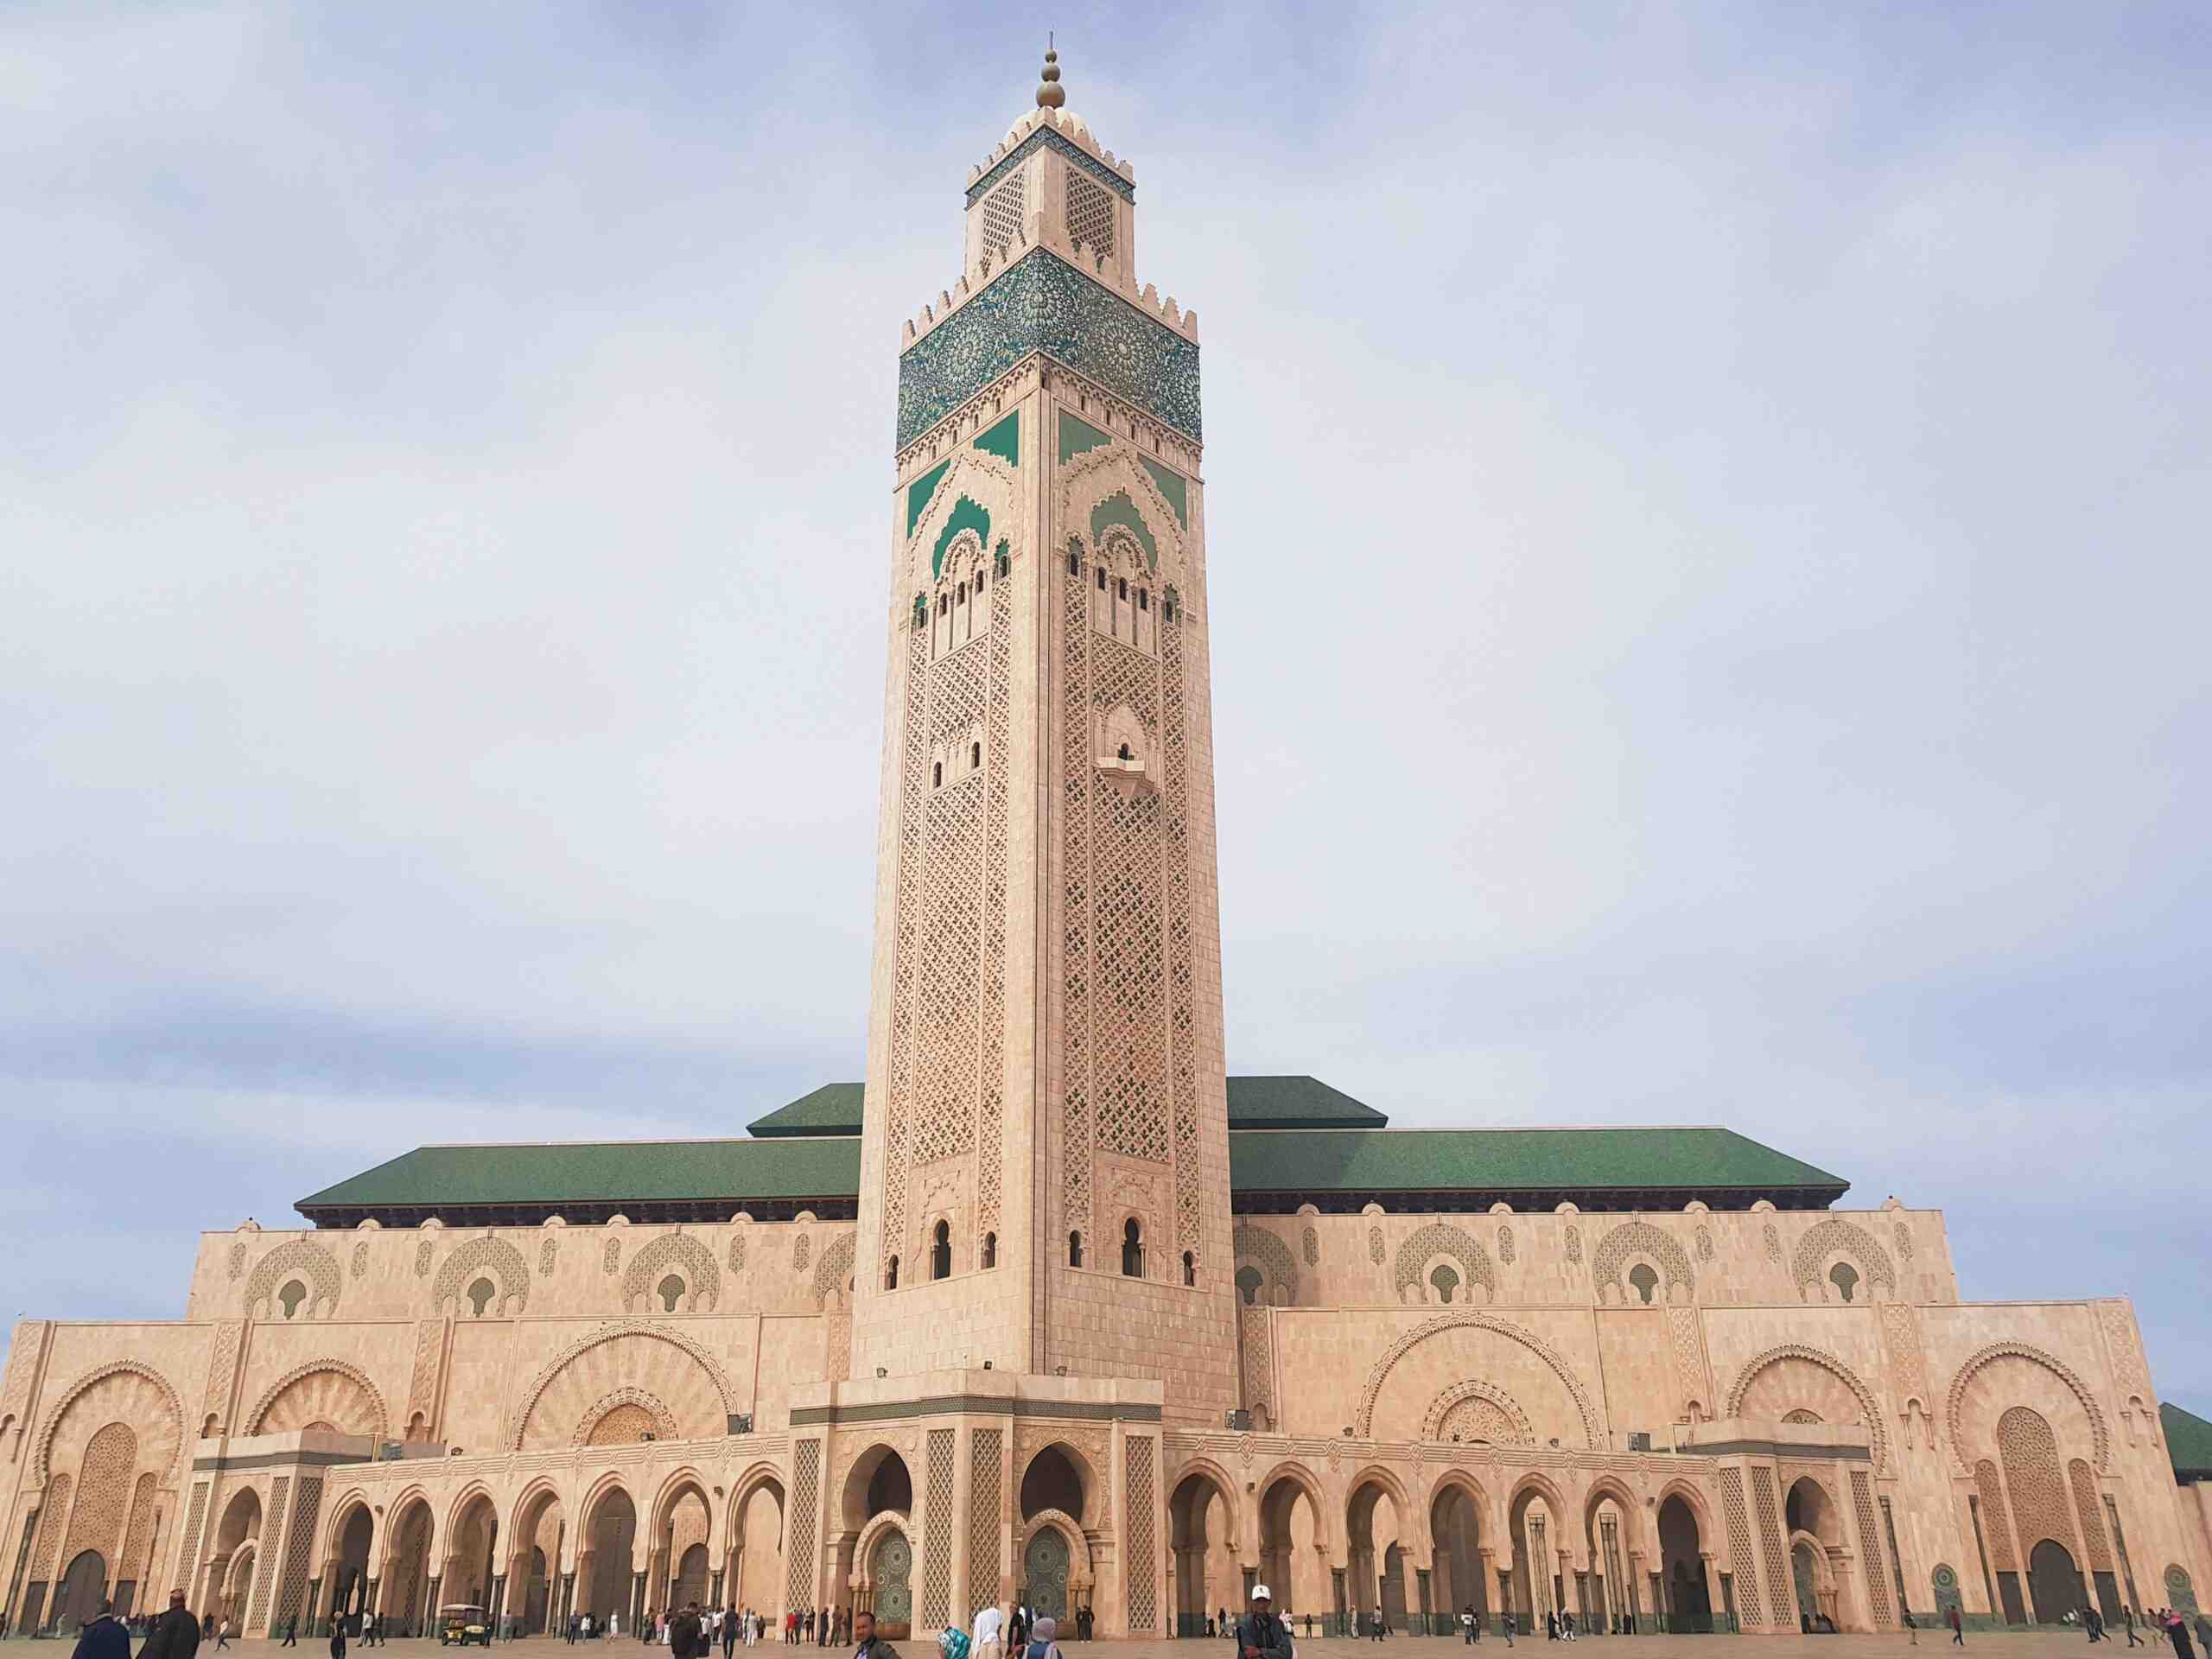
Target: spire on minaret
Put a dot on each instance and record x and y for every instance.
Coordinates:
(1050, 94)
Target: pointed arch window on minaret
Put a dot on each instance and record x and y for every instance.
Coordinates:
(941, 1251)
(1075, 1249)
(1132, 1250)
(891, 1274)
(1190, 1268)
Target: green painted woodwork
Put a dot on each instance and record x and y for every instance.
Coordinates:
(642, 1171)
(1285, 1103)
(1173, 487)
(965, 515)
(1076, 436)
(1004, 440)
(1118, 509)
(918, 493)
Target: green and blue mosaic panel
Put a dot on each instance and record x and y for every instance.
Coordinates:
(1041, 303)
(1046, 138)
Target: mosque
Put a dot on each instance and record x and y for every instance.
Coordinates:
(1049, 1306)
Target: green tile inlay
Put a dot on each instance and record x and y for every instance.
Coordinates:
(965, 515)
(1076, 436)
(918, 493)
(1173, 486)
(1118, 509)
(1004, 440)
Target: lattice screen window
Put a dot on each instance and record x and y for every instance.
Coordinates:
(1091, 214)
(1002, 212)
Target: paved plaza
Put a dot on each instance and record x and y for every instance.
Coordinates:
(1991, 1644)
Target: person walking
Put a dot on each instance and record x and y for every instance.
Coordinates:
(105, 1636)
(2177, 1633)
(175, 1634)
(984, 1633)
(1469, 1626)
(1912, 1631)
(1958, 1627)
(223, 1634)
(2127, 1623)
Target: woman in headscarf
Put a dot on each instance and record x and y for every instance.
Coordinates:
(1041, 1645)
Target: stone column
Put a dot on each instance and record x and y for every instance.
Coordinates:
(431, 1605)
(1712, 1597)
(637, 1619)
(1628, 1589)
(715, 1587)
(499, 1605)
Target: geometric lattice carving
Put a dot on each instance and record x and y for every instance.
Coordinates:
(1505, 1245)
(1129, 1071)
(737, 1251)
(1682, 1338)
(1181, 958)
(2127, 1367)
(899, 1103)
(491, 1255)
(1771, 1236)
(1310, 1245)
(1903, 1235)
(1574, 1244)
(424, 1249)
(1835, 1237)
(1090, 215)
(1640, 1238)
(299, 1539)
(1739, 1543)
(614, 1357)
(1074, 903)
(222, 1369)
(1779, 1585)
(1259, 1361)
(1140, 1457)
(1474, 1411)
(2028, 1453)
(1551, 1357)
(1705, 1243)
(990, 1134)
(1441, 1238)
(361, 1260)
(1272, 1255)
(422, 1385)
(834, 1268)
(118, 1390)
(802, 1251)
(982, 1517)
(301, 1257)
(1869, 1548)
(610, 1260)
(2086, 1510)
(946, 1080)
(1901, 1346)
(624, 1417)
(548, 1253)
(49, 1530)
(264, 1568)
(1994, 1522)
(687, 1257)
(1001, 211)
(1375, 1250)
(102, 1493)
(798, 1538)
(139, 1538)
(195, 1516)
(937, 1532)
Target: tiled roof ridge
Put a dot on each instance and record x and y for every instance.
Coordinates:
(640, 1141)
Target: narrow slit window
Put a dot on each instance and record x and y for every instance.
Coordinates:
(1102, 578)
(1075, 1249)
(891, 1274)
(990, 1249)
(975, 755)
(937, 774)
(1144, 600)
(1190, 1268)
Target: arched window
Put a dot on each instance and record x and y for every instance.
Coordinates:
(975, 755)
(936, 773)
(1645, 1281)
(1132, 1250)
(1167, 610)
(479, 1296)
(941, 1251)
(1190, 1268)
(962, 594)
(990, 1249)
(1845, 1278)
(1444, 1279)
(1121, 587)
(943, 605)
(980, 575)
(1102, 578)
(291, 1296)
(1075, 563)
(1075, 1249)
(670, 1292)
(1144, 599)
(1248, 1284)
(891, 1274)
(1125, 754)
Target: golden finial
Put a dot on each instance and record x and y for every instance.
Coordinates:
(1049, 93)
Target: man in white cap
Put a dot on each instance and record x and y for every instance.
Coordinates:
(1259, 1634)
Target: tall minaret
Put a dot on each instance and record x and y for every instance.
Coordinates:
(1044, 1181)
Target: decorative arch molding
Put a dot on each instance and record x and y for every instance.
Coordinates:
(305, 1258)
(1631, 1508)
(987, 484)
(664, 1419)
(1386, 1481)
(1306, 1482)
(1633, 1238)
(871, 1534)
(475, 1492)
(528, 1402)
(1539, 1483)
(352, 1374)
(684, 1477)
(1089, 483)
(1472, 1321)
(1836, 1237)
(1431, 1420)
(1230, 1492)
(42, 1454)
(527, 1508)
(1870, 1413)
(342, 1515)
(1080, 1573)
(489, 1253)
(2051, 1363)
(1273, 1257)
(758, 1474)
(692, 1261)
(1699, 1504)
(834, 1268)
(1441, 1238)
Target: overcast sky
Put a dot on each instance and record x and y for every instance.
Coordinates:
(1708, 515)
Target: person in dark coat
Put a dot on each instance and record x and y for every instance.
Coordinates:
(685, 1640)
(337, 1638)
(177, 1633)
(2177, 1633)
(105, 1637)
(1259, 1634)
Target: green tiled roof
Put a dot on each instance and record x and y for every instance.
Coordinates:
(1253, 1103)
(1495, 1161)
(453, 1180)
(834, 1109)
(2189, 1441)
